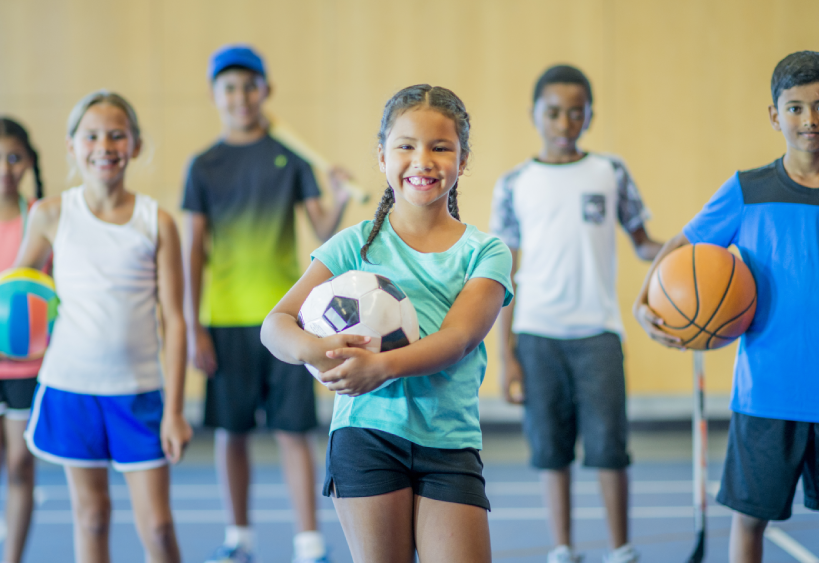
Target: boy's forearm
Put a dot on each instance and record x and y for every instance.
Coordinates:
(674, 243)
(505, 335)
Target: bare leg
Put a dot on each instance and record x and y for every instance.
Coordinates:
(20, 494)
(150, 498)
(447, 532)
(378, 529)
(299, 471)
(558, 492)
(614, 486)
(92, 512)
(746, 539)
(233, 466)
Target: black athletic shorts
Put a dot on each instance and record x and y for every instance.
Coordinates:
(249, 378)
(765, 459)
(362, 462)
(16, 396)
(574, 386)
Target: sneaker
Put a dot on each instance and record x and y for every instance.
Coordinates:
(231, 554)
(563, 554)
(623, 554)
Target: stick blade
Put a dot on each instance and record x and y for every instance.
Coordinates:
(698, 554)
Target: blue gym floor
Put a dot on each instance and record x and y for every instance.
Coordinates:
(661, 513)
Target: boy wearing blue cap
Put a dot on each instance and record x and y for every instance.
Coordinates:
(241, 195)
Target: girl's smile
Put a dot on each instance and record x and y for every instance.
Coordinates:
(421, 156)
(103, 144)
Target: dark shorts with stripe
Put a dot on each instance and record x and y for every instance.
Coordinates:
(362, 462)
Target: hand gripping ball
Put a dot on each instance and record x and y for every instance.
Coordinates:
(28, 307)
(705, 295)
(362, 303)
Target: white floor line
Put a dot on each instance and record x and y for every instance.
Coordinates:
(216, 516)
(179, 491)
(787, 543)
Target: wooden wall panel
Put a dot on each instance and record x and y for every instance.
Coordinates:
(681, 92)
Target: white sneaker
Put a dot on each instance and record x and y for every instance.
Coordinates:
(623, 554)
(563, 554)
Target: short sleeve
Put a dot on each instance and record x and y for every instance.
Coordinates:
(308, 187)
(193, 198)
(495, 263)
(718, 222)
(631, 211)
(342, 252)
(503, 223)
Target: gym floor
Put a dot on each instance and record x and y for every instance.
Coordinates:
(661, 514)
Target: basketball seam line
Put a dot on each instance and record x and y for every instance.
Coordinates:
(722, 299)
(751, 304)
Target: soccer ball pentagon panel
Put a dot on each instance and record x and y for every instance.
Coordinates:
(362, 303)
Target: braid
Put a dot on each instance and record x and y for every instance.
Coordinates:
(453, 202)
(384, 207)
(38, 180)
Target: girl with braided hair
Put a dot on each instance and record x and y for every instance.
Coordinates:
(17, 378)
(403, 466)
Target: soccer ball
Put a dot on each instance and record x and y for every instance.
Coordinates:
(362, 303)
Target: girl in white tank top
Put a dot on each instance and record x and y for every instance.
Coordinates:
(116, 257)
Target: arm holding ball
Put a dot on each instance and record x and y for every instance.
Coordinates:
(648, 320)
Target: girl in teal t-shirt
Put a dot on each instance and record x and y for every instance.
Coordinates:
(402, 463)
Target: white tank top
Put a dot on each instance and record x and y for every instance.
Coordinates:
(105, 339)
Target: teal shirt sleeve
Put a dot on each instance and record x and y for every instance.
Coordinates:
(342, 252)
(494, 261)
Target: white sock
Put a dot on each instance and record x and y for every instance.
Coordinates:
(239, 536)
(309, 545)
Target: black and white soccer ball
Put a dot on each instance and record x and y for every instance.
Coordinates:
(362, 303)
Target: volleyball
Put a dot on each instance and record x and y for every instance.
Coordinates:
(28, 307)
(362, 303)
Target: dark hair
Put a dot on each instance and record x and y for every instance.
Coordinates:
(10, 128)
(797, 69)
(433, 97)
(562, 74)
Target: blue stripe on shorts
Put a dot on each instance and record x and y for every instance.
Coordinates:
(82, 430)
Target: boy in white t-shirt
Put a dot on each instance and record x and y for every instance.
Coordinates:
(561, 350)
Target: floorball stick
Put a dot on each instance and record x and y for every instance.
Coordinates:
(700, 430)
(287, 136)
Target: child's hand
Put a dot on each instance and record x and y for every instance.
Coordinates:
(201, 351)
(512, 381)
(338, 176)
(651, 323)
(319, 358)
(360, 372)
(175, 433)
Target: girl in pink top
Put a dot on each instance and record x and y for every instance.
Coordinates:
(17, 379)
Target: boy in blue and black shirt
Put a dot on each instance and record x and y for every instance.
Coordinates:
(771, 215)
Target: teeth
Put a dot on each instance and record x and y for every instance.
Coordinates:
(416, 181)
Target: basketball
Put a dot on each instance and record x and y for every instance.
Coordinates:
(705, 295)
(28, 307)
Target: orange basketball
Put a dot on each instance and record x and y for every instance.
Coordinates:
(704, 294)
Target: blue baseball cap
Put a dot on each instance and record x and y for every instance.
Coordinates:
(235, 55)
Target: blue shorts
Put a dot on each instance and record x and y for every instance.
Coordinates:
(81, 430)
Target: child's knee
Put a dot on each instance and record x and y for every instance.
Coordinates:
(161, 537)
(21, 469)
(95, 521)
(749, 524)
